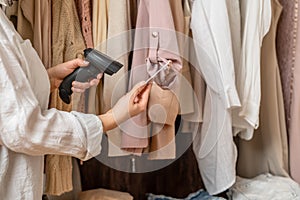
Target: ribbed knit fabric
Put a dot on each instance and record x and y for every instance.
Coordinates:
(59, 174)
(67, 41)
(67, 44)
(84, 8)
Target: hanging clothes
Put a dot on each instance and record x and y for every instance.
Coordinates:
(99, 27)
(68, 44)
(267, 151)
(254, 28)
(100, 22)
(294, 136)
(185, 93)
(163, 107)
(111, 25)
(162, 144)
(84, 8)
(213, 145)
(181, 19)
(191, 121)
(25, 88)
(234, 15)
(286, 47)
(155, 42)
(34, 23)
(118, 46)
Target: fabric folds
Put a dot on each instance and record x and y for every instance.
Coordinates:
(25, 88)
(213, 145)
(155, 43)
(67, 44)
(34, 23)
(267, 151)
(254, 28)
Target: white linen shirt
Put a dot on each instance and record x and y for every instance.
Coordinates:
(214, 148)
(255, 20)
(28, 130)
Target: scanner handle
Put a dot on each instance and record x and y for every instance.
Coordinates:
(65, 91)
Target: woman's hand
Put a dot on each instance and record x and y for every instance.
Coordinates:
(133, 103)
(59, 72)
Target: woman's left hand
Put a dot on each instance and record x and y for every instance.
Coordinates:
(59, 72)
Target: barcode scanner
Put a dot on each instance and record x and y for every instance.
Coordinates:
(98, 63)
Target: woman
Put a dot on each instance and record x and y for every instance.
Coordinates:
(28, 130)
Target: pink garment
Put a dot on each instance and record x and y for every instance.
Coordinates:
(85, 15)
(155, 42)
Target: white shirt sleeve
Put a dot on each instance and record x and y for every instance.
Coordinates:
(27, 127)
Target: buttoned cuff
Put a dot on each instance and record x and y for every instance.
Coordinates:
(250, 112)
(232, 98)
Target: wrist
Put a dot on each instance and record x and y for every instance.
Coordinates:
(53, 81)
(108, 121)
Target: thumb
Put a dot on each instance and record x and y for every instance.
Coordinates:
(77, 63)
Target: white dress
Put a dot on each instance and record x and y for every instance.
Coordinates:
(28, 130)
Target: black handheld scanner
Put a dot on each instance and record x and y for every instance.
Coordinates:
(98, 63)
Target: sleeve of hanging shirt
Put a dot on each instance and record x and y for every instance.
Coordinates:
(163, 43)
(27, 128)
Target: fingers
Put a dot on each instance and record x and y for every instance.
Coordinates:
(79, 87)
(77, 90)
(99, 76)
(79, 63)
(138, 87)
(94, 82)
(142, 94)
(73, 64)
